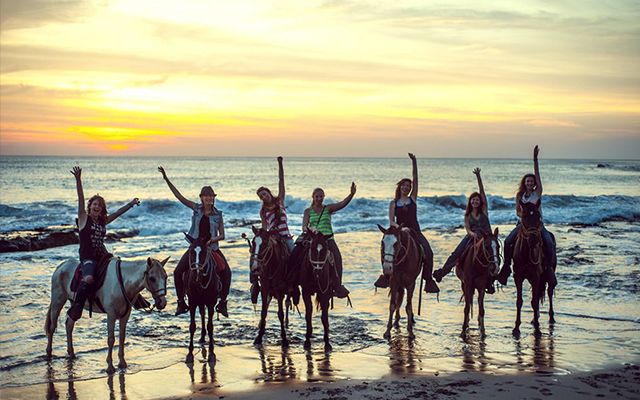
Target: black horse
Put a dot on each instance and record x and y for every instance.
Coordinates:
(269, 259)
(202, 288)
(317, 276)
(529, 264)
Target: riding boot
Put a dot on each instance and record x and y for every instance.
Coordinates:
(182, 307)
(382, 282)
(75, 311)
(551, 277)
(140, 303)
(294, 293)
(430, 285)
(255, 291)
(504, 273)
(222, 308)
(491, 288)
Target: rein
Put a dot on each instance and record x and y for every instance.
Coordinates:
(198, 267)
(319, 266)
(477, 246)
(162, 291)
(524, 233)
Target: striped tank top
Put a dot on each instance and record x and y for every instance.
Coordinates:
(321, 222)
(277, 224)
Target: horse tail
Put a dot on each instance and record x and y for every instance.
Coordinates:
(47, 322)
(543, 288)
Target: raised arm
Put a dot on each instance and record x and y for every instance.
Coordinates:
(414, 172)
(112, 217)
(536, 171)
(485, 204)
(339, 206)
(82, 212)
(175, 191)
(281, 191)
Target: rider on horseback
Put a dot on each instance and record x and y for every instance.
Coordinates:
(476, 222)
(274, 218)
(318, 218)
(92, 223)
(403, 211)
(529, 192)
(207, 227)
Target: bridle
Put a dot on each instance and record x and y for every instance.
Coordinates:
(317, 266)
(205, 268)
(410, 241)
(267, 255)
(479, 248)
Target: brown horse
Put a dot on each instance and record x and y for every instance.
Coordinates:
(203, 286)
(400, 260)
(269, 258)
(528, 263)
(317, 276)
(478, 264)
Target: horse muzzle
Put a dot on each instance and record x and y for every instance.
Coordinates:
(387, 267)
(160, 302)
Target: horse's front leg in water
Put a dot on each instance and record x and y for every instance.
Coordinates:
(308, 309)
(212, 356)
(409, 310)
(111, 339)
(263, 316)
(396, 323)
(481, 310)
(69, 324)
(516, 329)
(192, 331)
(203, 331)
(122, 331)
(392, 305)
(283, 331)
(325, 322)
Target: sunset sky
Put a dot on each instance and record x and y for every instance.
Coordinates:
(320, 78)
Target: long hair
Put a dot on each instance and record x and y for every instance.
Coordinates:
(469, 207)
(103, 204)
(398, 191)
(521, 187)
(318, 189)
(276, 204)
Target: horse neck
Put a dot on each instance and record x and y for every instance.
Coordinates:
(132, 277)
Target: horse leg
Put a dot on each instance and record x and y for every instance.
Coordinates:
(516, 329)
(283, 331)
(409, 309)
(396, 322)
(308, 309)
(192, 331)
(58, 299)
(212, 356)
(481, 290)
(69, 324)
(111, 338)
(468, 303)
(122, 331)
(263, 317)
(392, 308)
(203, 331)
(324, 304)
(535, 304)
(550, 290)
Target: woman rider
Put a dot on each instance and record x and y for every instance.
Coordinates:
(92, 223)
(476, 222)
(318, 217)
(403, 211)
(274, 218)
(529, 191)
(207, 227)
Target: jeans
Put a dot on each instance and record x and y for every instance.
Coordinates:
(548, 248)
(457, 253)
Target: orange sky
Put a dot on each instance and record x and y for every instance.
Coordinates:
(353, 78)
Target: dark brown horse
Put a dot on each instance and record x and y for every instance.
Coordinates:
(269, 258)
(317, 276)
(479, 263)
(529, 264)
(401, 261)
(202, 288)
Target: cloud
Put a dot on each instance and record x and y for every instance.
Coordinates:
(21, 14)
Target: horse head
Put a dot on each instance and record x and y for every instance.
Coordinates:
(390, 246)
(260, 245)
(492, 252)
(530, 216)
(155, 281)
(319, 254)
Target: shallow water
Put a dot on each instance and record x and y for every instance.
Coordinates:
(596, 300)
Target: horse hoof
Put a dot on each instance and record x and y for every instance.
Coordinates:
(411, 335)
(396, 324)
(387, 335)
(202, 340)
(122, 364)
(258, 341)
(110, 369)
(516, 332)
(328, 347)
(307, 345)
(189, 359)
(552, 320)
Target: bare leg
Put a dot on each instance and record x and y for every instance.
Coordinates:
(516, 329)
(122, 332)
(192, 331)
(212, 356)
(409, 310)
(69, 324)
(283, 331)
(111, 339)
(263, 316)
(324, 304)
(308, 309)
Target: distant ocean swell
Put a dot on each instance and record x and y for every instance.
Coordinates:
(161, 216)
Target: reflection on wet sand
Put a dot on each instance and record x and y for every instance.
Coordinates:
(402, 359)
(474, 353)
(112, 393)
(276, 365)
(542, 353)
(207, 373)
(52, 391)
(325, 372)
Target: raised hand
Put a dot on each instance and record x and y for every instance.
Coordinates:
(353, 188)
(279, 159)
(164, 174)
(76, 171)
(536, 150)
(476, 171)
(412, 156)
(135, 202)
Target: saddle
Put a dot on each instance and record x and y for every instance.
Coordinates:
(98, 277)
(466, 250)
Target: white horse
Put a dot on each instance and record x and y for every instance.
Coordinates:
(122, 284)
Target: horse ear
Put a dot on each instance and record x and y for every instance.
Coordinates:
(381, 228)
(253, 228)
(163, 262)
(149, 262)
(495, 233)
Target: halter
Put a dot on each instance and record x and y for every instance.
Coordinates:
(524, 233)
(479, 245)
(318, 266)
(160, 291)
(409, 242)
(206, 266)
(269, 252)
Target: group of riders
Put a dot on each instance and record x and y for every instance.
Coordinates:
(207, 227)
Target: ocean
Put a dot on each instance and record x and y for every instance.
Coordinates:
(593, 211)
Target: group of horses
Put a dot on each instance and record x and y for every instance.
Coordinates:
(315, 274)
